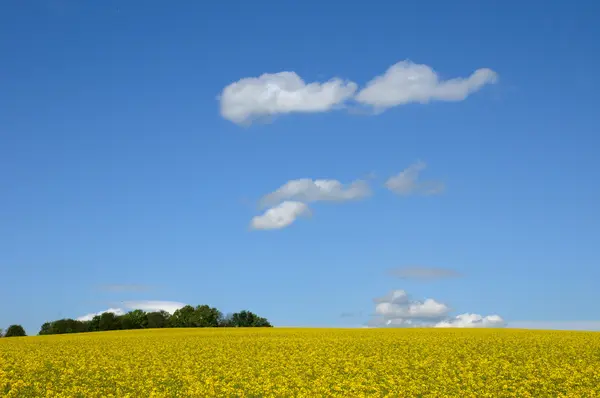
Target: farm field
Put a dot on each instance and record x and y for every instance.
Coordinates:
(283, 362)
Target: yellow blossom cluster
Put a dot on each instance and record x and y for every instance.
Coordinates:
(284, 362)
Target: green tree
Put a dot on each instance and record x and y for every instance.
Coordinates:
(206, 317)
(158, 319)
(109, 321)
(15, 331)
(183, 317)
(134, 320)
(246, 319)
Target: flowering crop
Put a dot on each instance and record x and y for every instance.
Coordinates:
(303, 362)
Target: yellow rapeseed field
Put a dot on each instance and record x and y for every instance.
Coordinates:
(303, 362)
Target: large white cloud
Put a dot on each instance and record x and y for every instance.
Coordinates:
(407, 82)
(144, 305)
(308, 190)
(406, 182)
(280, 216)
(279, 93)
(396, 309)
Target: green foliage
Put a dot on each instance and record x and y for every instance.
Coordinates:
(15, 331)
(134, 320)
(201, 316)
(158, 319)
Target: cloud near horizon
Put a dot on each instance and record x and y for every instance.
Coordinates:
(272, 94)
(396, 309)
(144, 305)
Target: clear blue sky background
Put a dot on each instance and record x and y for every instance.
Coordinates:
(117, 168)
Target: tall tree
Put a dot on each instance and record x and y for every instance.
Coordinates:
(158, 319)
(134, 320)
(183, 317)
(15, 331)
(206, 317)
(109, 321)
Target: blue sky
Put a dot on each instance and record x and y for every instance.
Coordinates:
(125, 176)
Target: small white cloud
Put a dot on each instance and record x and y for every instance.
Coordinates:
(279, 93)
(406, 182)
(397, 310)
(407, 82)
(472, 321)
(89, 317)
(280, 216)
(308, 190)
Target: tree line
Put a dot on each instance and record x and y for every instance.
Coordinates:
(201, 316)
(185, 317)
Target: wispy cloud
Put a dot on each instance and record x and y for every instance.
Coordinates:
(407, 182)
(307, 190)
(423, 273)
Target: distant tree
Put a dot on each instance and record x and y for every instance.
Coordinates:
(206, 317)
(1, 332)
(183, 317)
(134, 320)
(158, 319)
(46, 329)
(109, 321)
(15, 331)
(94, 324)
(246, 319)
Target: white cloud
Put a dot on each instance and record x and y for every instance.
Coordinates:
(427, 309)
(280, 93)
(472, 321)
(405, 182)
(308, 190)
(144, 305)
(407, 82)
(280, 216)
(396, 309)
(89, 317)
